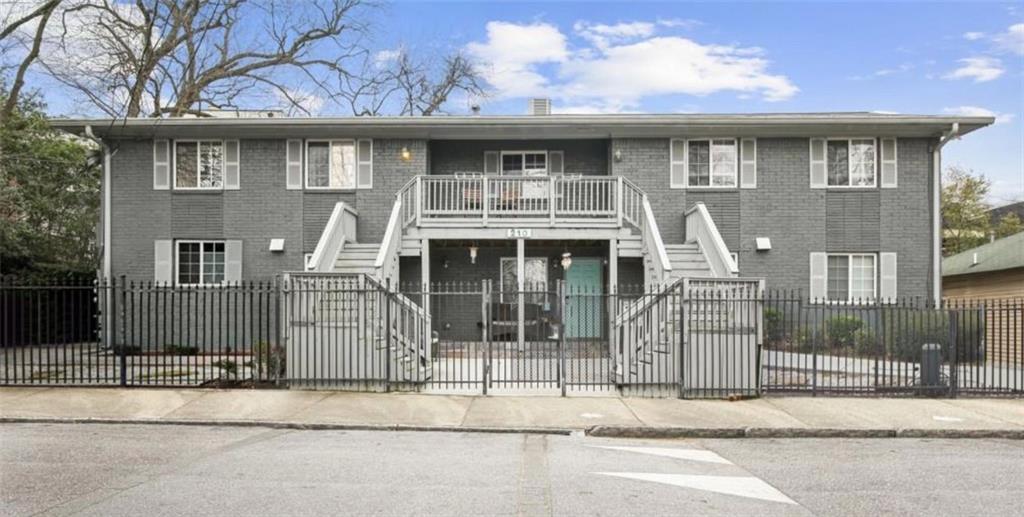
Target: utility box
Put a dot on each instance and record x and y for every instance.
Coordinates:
(931, 365)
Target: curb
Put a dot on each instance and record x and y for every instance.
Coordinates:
(601, 431)
(302, 426)
(797, 432)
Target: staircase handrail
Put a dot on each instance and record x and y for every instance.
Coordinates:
(392, 240)
(341, 227)
(653, 243)
(700, 228)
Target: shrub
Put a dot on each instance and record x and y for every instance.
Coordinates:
(774, 331)
(269, 360)
(230, 368)
(841, 331)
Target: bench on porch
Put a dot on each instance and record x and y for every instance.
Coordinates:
(505, 322)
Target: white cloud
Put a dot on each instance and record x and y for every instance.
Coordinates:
(386, 56)
(601, 35)
(1012, 40)
(619, 65)
(976, 111)
(512, 55)
(681, 23)
(979, 68)
(299, 102)
(973, 36)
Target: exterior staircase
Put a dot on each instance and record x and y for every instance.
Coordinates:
(357, 259)
(687, 260)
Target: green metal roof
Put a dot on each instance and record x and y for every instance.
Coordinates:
(1005, 253)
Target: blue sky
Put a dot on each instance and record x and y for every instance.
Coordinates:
(942, 58)
(900, 57)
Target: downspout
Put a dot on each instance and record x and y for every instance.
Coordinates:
(105, 268)
(954, 132)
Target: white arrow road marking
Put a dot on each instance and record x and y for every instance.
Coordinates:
(679, 454)
(744, 486)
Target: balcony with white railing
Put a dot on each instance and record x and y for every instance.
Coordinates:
(495, 201)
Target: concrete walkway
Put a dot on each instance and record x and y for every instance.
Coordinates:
(626, 417)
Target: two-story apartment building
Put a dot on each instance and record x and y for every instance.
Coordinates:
(839, 205)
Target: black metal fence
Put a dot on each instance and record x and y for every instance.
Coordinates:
(697, 338)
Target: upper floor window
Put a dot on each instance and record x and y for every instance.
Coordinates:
(524, 163)
(331, 164)
(200, 262)
(712, 163)
(851, 162)
(851, 277)
(198, 164)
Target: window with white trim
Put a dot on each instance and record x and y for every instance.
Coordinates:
(712, 163)
(524, 163)
(851, 277)
(199, 164)
(199, 262)
(851, 162)
(331, 164)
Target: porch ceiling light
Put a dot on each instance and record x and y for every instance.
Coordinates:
(566, 260)
(472, 254)
(406, 154)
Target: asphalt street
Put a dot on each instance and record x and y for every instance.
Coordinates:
(108, 470)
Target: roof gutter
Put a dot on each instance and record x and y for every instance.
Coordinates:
(953, 133)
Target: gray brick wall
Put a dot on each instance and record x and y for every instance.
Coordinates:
(799, 220)
(586, 157)
(260, 210)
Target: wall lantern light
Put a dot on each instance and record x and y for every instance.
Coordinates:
(406, 154)
(617, 155)
(566, 260)
(472, 254)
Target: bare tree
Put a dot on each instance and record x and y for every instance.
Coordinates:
(171, 58)
(43, 13)
(406, 85)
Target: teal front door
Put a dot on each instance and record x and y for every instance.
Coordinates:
(585, 300)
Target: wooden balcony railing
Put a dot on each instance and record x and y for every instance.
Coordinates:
(506, 200)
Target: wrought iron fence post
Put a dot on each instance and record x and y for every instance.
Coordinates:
(122, 351)
(561, 336)
(684, 314)
(387, 336)
(954, 360)
(485, 309)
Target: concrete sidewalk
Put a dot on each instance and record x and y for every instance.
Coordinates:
(625, 417)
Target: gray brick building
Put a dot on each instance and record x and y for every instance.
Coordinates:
(839, 206)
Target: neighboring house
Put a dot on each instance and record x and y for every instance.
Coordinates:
(997, 213)
(991, 271)
(842, 206)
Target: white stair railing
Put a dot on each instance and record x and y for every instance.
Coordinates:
(341, 228)
(386, 264)
(700, 228)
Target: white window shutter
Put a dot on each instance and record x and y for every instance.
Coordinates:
(161, 164)
(677, 159)
(163, 261)
(889, 170)
(748, 165)
(819, 270)
(233, 261)
(556, 162)
(231, 165)
(294, 172)
(364, 177)
(491, 162)
(887, 290)
(818, 169)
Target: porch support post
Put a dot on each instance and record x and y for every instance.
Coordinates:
(425, 297)
(520, 286)
(613, 291)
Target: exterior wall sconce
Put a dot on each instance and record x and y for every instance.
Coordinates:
(617, 155)
(763, 243)
(406, 154)
(566, 260)
(472, 254)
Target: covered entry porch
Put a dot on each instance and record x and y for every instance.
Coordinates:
(520, 313)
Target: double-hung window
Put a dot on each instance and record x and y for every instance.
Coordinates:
(524, 163)
(712, 163)
(199, 164)
(851, 278)
(200, 263)
(851, 162)
(331, 164)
